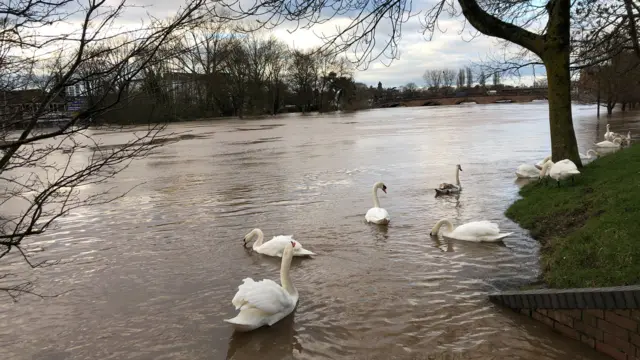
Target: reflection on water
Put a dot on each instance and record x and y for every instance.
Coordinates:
(154, 273)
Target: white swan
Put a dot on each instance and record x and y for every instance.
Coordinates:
(525, 171)
(275, 246)
(624, 140)
(610, 144)
(478, 231)
(561, 170)
(588, 154)
(446, 188)
(541, 162)
(376, 214)
(265, 302)
(608, 136)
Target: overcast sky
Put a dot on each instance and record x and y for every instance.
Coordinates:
(450, 49)
(444, 50)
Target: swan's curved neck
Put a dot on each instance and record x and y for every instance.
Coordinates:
(458, 176)
(376, 202)
(545, 167)
(285, 279)
(260, 235)
(591, 151)
(439, 224)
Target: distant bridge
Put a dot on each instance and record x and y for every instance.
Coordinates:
(478, 99)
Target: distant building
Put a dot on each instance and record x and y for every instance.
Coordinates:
(19, 105)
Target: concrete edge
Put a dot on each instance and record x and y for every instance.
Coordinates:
(619, 297)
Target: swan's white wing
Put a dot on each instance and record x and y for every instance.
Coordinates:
(376, 215)
(527, 170)
(540, 163)
(264, 295)
(275, 246)
(477, 229)
(563, 168)
(447, 186)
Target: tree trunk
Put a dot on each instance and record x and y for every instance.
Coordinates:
(557, 48)
(563, 137)
(553, 47)
(598, 100)
(624, 106)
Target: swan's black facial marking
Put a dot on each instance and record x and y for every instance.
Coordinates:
(384, 188)
(459, 167)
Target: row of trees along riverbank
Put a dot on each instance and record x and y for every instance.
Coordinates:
(214, 70)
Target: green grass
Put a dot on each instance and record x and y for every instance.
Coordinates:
(589, 232)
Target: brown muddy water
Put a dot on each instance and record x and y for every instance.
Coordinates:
(152, 275)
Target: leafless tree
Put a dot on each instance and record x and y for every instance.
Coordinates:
(203, 52)
(469, 78)
(303, 76)
(410, 90)
(482, 79)
(602, 29)
(460, 81)
(433, 78)
(448, 77)
(615, 81)
(541, 29)
(40, 170)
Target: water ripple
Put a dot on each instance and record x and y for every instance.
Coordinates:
(153, 273)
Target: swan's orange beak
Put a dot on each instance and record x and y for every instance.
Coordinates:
(384, 188)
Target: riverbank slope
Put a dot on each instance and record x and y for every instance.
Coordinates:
(589, 232)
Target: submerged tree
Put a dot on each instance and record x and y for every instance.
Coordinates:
(542, 30)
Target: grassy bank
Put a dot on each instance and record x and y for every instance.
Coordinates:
(590, 231)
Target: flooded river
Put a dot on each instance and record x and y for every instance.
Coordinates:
(152, 275)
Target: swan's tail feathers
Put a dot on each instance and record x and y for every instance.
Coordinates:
(303, 252)
(247, 319)
(574, 172)
(504, 235)
(238, 325)
(238, 300)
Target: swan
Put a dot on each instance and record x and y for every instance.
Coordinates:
(588, 155)
(608, 136)
(624, 140)
(478, 231)
(610, 144)
(445, 188)
(527, 171)
(265, 302)
(627, 140)
(561, 170)
(376, 214)
(275, 246)
(540, 163)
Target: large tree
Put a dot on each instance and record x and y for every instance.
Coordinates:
(542, 29)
